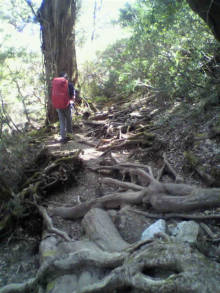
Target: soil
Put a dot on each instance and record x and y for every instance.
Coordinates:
(19, 252)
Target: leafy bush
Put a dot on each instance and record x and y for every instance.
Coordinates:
(15, 154)
(168, 52)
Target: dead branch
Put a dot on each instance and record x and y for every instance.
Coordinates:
(49, 225)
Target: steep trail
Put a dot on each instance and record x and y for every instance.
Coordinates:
(111, 145)
(89, 183)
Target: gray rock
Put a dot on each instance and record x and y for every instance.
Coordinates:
(187, 231)
(157, 227)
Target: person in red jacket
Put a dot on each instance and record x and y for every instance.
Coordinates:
(62, 97)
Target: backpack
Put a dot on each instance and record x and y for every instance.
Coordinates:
(78, 99)
(60, 93)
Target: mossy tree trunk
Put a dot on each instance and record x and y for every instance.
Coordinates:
(57, 21)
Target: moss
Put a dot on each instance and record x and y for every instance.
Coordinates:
(50, 286)
(49, 253)
(5, 222)
(148, 135)
(45, 130)
(191, 159)
(201, 135)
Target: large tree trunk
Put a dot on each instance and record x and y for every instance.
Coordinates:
(209, 11)
(57, 20)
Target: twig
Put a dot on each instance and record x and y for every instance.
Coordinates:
(49, 224)
(29, 3)
(8, 118)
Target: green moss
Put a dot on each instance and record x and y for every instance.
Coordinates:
(49, 253)
(50, 286)
(45, 130)
(5, 222)
(200, 135)
(191, 159)
(148, 135)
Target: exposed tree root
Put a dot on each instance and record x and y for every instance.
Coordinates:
(107, 202)
(167, 168)
(174, 269)
(157, 265)
(102, 231)
(163, 197)
(49, 225)
(61, 171)
(174, 215)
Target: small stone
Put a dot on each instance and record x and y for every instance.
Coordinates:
(187, 231)
(158, 227)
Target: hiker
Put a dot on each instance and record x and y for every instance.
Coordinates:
(62, 98)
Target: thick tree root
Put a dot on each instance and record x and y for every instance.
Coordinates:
(157, 265)
(109, 201)
(175, 215)
(177, 268)
(163, 197)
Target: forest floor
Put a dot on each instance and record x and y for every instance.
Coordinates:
(180, 132)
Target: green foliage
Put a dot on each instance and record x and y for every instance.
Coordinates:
(22, 90)
(17, 13)
(14, 155)
(167, 51)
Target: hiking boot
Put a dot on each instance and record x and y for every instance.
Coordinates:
(64, 140)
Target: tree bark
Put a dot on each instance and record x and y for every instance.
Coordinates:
(209, 11)
(57, 20)
(197, 199)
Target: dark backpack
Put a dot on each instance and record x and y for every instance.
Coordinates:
(78, 99)
(60, 93)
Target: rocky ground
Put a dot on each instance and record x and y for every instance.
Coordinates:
(178, 136)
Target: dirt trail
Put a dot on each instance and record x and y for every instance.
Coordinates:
(89, 187)
(147, 148)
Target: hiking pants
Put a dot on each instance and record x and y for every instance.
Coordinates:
(65, 119)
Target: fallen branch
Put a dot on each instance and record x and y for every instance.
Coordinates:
(49, 225)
